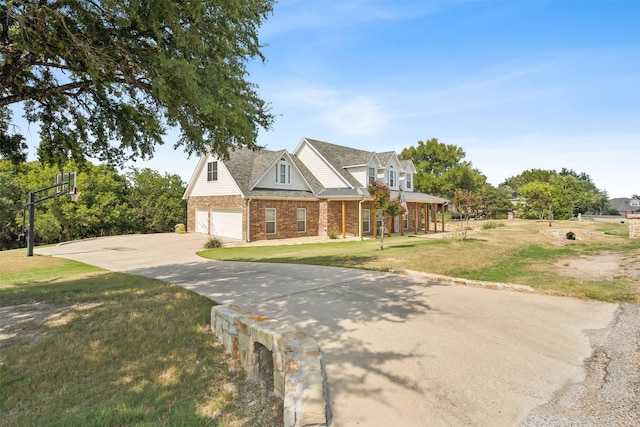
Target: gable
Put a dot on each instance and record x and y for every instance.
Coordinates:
(325, 172)
(283, 174)
(202, 185)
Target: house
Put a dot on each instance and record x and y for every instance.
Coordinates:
(318, 189)
(625, 206)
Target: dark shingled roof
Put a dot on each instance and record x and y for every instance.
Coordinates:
(339, 157)
(247, 167)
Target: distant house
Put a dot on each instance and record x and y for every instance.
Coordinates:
(625, 206)
(318, 189)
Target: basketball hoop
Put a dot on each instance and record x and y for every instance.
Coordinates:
(74, 195)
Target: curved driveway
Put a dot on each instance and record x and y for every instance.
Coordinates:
(398, 351)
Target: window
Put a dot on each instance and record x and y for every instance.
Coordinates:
(302, 220)
(283, 172)
(392, 177)
(212, 171)
(634, 202)
(372, 175)
(366, 221)
(409, 178)
(270, 221)
(405, 219)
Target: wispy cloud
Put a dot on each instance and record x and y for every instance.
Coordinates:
(343, 112)
(292, 15)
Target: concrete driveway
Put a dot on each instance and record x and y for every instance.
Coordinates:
(398, 351)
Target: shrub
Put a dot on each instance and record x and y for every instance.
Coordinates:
(332, 235)
(491, 225)
(213, 242)
(180, 228)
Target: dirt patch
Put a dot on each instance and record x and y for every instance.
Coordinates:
(17, 320)
(604, 266)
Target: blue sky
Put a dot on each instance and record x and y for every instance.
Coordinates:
(517, 84)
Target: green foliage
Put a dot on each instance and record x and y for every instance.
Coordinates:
(213, 243)
(496, 201)
(386, 207)
(104, 79)
(466, 203)
(490, 225)
(155, 200)
(539, 197)
(332, 235)
(110, 203)
(441, 169)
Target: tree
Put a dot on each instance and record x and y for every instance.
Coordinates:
(466, 202)
(432, 159)
(156, 200)
(539, 197)
(496, 201)
(386, 207)
(106, 78)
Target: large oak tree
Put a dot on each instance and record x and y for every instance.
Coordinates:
(105, 78)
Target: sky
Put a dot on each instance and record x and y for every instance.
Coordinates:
(517, 84)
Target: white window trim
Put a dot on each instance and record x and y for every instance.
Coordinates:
(366, 219)
(210, 171)
(287, 172)
(267, 222)
(298, 220)
(405, 220)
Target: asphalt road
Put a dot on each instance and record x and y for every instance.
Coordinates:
(398, 351)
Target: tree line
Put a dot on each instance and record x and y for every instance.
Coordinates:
(536, 193)
(110, 203)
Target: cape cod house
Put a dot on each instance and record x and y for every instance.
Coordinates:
(318, 189)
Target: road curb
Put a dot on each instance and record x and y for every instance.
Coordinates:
(462, 282)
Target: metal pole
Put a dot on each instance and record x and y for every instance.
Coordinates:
(30, 230)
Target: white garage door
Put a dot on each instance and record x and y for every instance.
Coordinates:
(202, 221)
(226, 223)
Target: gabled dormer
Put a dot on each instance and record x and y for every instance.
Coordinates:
(406, 178)
(391, 169)
(281, 174)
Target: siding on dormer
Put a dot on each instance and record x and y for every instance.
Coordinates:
(269, 179)
(320, 168)
(224, 186)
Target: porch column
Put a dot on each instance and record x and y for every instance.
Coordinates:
(435, 217)
(402, 224)
(389, 222)
(442, 217)
(426, 218)
(375, 223)
(344, 219)
(416, 214)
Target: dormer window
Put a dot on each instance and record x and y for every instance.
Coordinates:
(408, 179)
(283, 172)
(372, 175)
(392, 177)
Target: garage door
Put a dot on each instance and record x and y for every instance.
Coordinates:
(202, 221)
(226, 223)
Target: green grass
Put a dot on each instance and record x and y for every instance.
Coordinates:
(512, 252)
(109, 349)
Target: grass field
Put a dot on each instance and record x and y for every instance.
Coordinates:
(509, 251)
(84, 347)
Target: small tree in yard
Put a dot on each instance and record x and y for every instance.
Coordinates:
(386, 207)
(465, 202)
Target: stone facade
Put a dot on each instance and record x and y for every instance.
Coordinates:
(634, 225)
(298, 374)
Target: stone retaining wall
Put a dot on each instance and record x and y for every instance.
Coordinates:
(298, 374)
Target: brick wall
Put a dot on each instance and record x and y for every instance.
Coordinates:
(286, 218)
